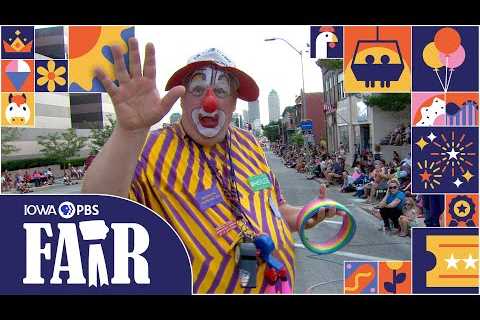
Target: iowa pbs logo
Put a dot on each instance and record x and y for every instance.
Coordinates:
(67, 209)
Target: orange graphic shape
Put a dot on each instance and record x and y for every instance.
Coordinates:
(385, 274)
(359, 279)
(448, 218)
(82, 39)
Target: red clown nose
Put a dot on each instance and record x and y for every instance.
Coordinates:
(209, 103)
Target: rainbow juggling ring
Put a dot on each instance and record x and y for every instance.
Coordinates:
(342, 238)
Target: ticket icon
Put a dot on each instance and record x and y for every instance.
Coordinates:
(445, 260)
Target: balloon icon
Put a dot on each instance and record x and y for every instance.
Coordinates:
(447, 40)
(17, 72)
(431, 56)
(455, 59)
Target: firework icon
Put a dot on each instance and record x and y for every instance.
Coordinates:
(430, 174)
(453, 157)
(446, 160)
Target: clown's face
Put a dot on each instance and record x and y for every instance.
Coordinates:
(208, 105)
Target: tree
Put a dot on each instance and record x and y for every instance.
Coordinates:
(272, 131)
(330, 64)
(61, 146)
(10, 135)
(297, 138)
(389, 101)
(98, 137)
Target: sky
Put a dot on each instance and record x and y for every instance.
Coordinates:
(273, 65)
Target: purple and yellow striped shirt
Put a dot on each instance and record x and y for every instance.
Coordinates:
(169, 174)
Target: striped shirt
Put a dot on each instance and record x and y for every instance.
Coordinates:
(171, 172)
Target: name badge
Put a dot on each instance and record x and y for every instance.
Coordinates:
(208, 198)
(274, 208)
(259, 182)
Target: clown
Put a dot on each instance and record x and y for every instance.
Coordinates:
(209, 180)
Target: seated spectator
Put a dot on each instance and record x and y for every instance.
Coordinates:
(391, 205)
(300, 167)
(67, 179)
(409, 218)
(27, 177)
(50, 176)
(336, 171)
(348, 180)
(80, 173)
(379, 178)
(36, 178)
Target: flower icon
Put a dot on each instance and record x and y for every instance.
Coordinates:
(51, 75)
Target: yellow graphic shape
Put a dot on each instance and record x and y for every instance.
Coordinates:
(468, 176)
(353, 85)
(357, 278)
(18, 116)
(81, 69)
(455, 249)
(465, 208)
(421, 143)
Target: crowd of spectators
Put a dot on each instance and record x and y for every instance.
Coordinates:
(385, 187)
(23, 183)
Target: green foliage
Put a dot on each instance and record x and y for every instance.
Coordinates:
(330, 64)
(98, 137)
(9, 135)
(61, 146)
(272, 131)
(297, 138)
(389, 101)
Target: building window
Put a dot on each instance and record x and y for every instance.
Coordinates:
(343, 136)
(86, 110)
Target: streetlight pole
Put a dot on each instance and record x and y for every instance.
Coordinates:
(304, 101)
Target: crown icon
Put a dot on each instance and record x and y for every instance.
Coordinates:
(18, 44)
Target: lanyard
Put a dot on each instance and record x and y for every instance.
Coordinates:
(230, 189)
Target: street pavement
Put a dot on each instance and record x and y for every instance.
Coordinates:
(324, 273)
(317, 273)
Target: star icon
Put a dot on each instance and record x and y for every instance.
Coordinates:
(467, 175)
(452, 154)
(461, 208)
(421, 143)
(457, 182)
(425, 176)
(431, 136)
(452, 262)
(470, 262)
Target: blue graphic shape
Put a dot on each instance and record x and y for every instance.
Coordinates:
(466, 144)
(168, 262)
(423, 261)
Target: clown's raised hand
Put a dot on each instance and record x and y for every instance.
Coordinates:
(323, 213)
(137, 102)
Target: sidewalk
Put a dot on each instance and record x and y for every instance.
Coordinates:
(58, 182)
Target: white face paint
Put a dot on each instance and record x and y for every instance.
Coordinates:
(210, 132)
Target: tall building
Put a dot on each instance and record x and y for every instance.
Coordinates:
(175, 117)
(245, 116)
(253, 111)
(237, 120)
(273, 106)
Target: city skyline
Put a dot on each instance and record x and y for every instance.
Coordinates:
(271, 64)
